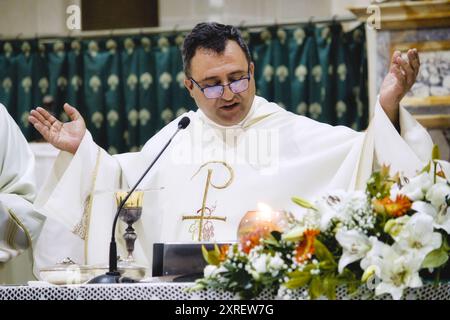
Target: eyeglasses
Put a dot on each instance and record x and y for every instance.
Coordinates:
(214, 92)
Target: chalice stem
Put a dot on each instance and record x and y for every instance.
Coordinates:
(130, 237)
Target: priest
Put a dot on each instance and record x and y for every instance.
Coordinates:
(19, 223)
(239, 150)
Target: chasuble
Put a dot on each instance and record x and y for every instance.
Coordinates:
(211, 175)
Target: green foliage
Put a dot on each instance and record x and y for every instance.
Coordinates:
(380, 183)
(329, 286)
(303, 203)
(211, 257)
(301, 279)
(435, 259)
(427, 168)
(439, 257)
(323, 254)
(316, 289)
(435, 153)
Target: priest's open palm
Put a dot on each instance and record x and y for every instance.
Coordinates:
(64, 136)
(399, 80)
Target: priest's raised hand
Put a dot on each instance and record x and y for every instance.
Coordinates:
(64, 136)
(399, 80)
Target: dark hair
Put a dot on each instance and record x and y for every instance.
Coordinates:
(211, 36)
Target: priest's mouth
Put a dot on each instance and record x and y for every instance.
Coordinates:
(230, 107)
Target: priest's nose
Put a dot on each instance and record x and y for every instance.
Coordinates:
(228, 95)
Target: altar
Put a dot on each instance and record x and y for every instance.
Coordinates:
(178, 291)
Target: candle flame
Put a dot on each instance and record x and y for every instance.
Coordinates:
(265, 210)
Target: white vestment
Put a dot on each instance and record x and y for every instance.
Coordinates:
(269, 157)
(19, 224)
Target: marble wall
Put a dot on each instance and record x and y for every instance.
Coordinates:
(384, 41)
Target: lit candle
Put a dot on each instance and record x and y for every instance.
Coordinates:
(264, 220)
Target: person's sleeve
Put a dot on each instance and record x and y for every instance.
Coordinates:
(16, 160)
(19, 223)
(408, 151)
(71, 180)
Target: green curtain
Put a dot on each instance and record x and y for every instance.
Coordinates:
(316, 71)
(129, 87)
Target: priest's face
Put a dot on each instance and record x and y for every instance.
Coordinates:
(229, 68)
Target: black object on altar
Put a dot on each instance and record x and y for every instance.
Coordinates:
(183, 260)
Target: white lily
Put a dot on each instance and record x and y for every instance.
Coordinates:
(326, 212)
(398, 272)
(441, 216)
(309, 219)
(395, 190)
(445, 166)
(417, 187)
(260, 263)
(418, 237)
(355, 245)
(375, 255)
(437, 193)
(394, 226)
(369, 272)
(295, 234)
(210, 271)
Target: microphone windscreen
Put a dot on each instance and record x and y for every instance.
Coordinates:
(184, 122)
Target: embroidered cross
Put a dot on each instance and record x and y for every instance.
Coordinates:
(205, 214)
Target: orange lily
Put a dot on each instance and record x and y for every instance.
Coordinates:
(396, 208)
(223, 252)
(305, 249)
(252, 239)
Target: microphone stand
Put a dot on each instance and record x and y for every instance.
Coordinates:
(113, 275)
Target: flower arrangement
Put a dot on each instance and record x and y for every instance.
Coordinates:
(396, 231)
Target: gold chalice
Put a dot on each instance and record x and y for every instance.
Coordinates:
(130, 213)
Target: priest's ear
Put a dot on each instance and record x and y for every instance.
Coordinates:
(189, 86)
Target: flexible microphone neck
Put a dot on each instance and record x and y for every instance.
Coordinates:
(182, 124)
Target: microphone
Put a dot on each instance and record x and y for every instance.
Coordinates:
(113, 275)
(183, 123)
